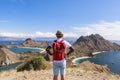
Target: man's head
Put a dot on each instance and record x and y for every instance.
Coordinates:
(59, 34)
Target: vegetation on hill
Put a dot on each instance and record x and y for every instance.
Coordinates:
(33, 63)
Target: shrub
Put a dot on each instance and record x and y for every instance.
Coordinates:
(33, 63)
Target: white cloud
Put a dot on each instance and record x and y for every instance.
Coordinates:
(109, 30)
(34, 35)
(71, 34)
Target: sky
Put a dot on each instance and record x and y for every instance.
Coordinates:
(42, 18)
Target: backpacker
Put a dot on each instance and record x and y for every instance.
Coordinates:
(59, 48)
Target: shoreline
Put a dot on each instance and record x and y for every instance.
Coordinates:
(85, 57)
(94, 53)
(74, 60)
(43, 50)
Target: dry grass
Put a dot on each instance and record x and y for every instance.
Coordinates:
(72, 74)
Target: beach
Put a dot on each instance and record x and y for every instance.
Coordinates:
(85, 57)
(74, 60)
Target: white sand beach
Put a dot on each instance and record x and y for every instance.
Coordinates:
(85, 57)
(96, 52)
(74, 60)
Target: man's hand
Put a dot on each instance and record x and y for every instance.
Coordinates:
(71, 50)
(48, 50)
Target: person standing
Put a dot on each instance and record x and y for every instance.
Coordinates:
(59, 47)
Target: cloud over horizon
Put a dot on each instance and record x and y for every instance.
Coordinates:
(109, 30)
(35, 35)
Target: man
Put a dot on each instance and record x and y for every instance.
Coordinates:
(59, 47)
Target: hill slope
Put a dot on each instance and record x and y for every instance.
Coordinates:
(7, 57)
(93, 43)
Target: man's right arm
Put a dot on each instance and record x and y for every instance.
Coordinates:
(48, 50)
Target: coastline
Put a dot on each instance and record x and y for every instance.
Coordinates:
(74, 60)
(85, 57)
(43, 50)
(94, 53)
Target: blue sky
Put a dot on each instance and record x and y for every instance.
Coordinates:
(39, 18)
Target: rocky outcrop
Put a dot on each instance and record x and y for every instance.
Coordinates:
(87, 44)
(7, 57)
(31, 43)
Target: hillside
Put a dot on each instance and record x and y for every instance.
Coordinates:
(95, 72)
(7, 57)
(92, 43)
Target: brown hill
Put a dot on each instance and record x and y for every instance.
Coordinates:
(31, 43)
(93, 43)
(7, 57)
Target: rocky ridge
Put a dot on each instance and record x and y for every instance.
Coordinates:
(93, 43)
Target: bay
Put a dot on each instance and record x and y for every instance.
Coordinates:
(112, 59)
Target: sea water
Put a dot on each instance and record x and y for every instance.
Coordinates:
(9, 67)
(25, 49)
(112, 59)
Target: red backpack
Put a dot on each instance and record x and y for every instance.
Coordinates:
(59, 48)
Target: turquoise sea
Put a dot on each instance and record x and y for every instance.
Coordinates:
(25, 49)
(112, 59)
(9, 67)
